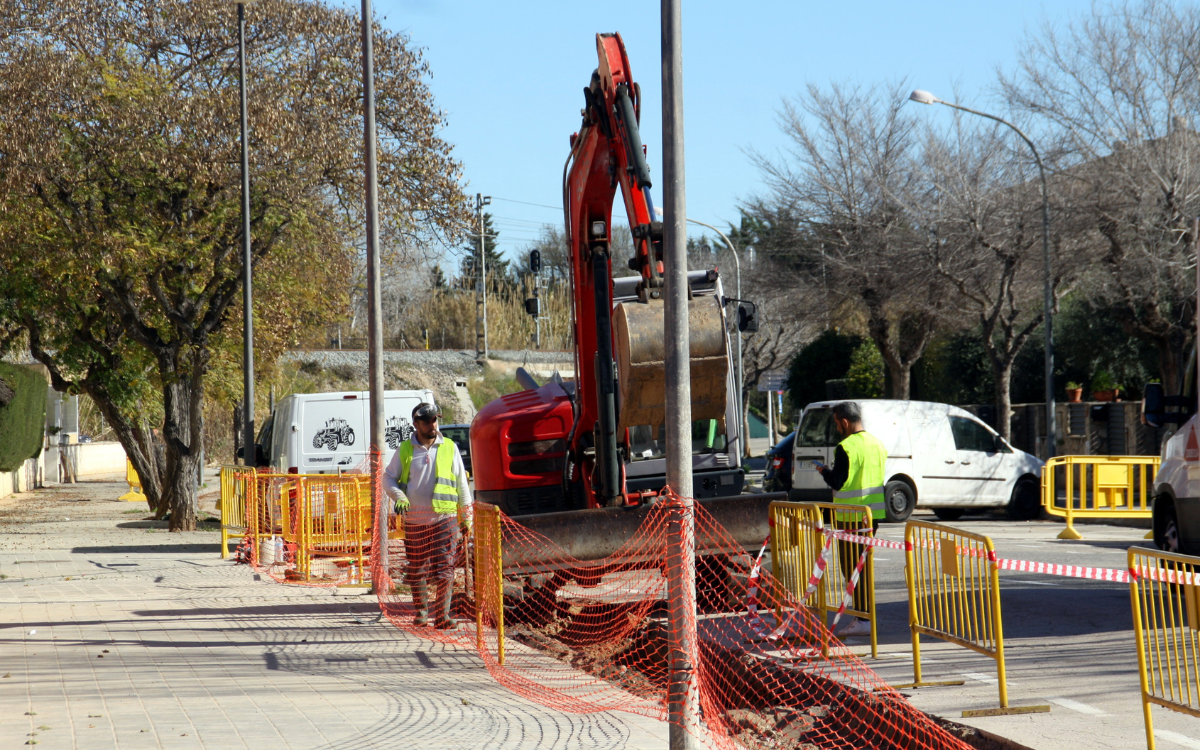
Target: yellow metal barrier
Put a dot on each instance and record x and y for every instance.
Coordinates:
(1098, 487)
(135, 485)
(489, 575)
(1164, 589)
(954, 595)
(232, 504)
(797, 538)
(333, 516)
(323, 522)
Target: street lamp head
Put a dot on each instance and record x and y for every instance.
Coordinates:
(923, 97)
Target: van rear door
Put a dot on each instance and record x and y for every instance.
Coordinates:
(333, 432)
(815, 438)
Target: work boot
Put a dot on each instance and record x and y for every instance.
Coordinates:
(854, 627)
(441, 607)
(420, 596)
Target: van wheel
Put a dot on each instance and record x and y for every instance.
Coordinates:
(949, 514)
(899, 500)
(1026, 502)
(1166, 524)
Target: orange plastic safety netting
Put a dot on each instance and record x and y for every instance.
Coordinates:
(585, 636)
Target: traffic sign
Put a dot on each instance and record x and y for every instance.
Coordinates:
(772, 380)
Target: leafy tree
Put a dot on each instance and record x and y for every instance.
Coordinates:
(827, 357)
(865, 376)
(120, 217)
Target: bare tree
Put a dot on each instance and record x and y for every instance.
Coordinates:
(849, 176)
(983, 212)
(1118, 88)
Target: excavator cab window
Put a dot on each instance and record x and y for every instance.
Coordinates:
(706, 438)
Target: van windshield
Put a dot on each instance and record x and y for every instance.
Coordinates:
(461, 436)
(815, 429)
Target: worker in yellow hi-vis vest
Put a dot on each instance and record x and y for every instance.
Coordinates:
(857, 478)
(428, 485)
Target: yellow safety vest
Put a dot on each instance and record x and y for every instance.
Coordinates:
(867, 471)
(445, 487)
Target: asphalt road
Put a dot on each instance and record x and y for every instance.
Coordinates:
(1069, 643)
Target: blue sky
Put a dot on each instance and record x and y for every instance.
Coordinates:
(510, 78)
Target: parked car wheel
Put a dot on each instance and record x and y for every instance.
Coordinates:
(1026, 502)
(899, 500)
(1166, 524)
(949, 514)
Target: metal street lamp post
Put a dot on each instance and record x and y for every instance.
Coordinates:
(924, 97)
(737, 264)
(249, 454)
(374, 301)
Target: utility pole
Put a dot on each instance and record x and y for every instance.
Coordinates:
(481, 339)
(374, 302)
(248, 452)
(682, 692)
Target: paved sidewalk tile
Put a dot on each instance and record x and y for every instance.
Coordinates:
(117, 634)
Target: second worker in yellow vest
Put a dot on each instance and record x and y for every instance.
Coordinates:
(857, 477)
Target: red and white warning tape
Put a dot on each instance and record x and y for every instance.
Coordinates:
(1024, 566)
(1021, 566)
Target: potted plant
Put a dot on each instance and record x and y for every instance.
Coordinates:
(1074, 392)
(1104, 387)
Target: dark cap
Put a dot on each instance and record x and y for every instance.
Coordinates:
(426, 412)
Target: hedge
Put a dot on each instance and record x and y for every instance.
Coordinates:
(23, 420)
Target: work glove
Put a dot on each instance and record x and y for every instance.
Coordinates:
(401, 506)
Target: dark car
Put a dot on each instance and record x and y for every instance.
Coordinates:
(461, 435)
(778, 474)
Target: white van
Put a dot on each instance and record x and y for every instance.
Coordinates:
(939, 456)
(324, 433)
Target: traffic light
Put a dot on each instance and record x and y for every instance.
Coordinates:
(535, 261)
(533, 305)
(747, 317)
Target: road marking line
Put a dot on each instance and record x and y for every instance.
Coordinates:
(1035, 583)
(1177, 738)
(1082, 708)
(979, 676)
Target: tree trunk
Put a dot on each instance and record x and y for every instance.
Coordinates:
(900, 374)
(239, 431)
(1171, 365)
(182, 433)
(140, 447)
(1002, 372)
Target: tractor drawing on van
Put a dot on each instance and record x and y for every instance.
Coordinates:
(398, 430)
(336, 432)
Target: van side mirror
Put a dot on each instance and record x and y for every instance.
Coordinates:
(747, 317)
(1152, 404)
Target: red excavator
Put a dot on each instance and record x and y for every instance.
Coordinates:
(599, 442)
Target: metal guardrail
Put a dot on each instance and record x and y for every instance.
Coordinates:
(232, 504)
(954, 595)
(1098, 487)
(1164, 590)
(798, 535)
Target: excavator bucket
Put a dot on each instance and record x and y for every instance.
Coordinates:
(640, 353)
